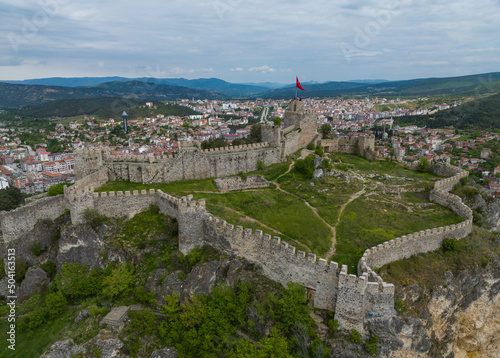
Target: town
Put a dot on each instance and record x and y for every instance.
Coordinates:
(35, 168)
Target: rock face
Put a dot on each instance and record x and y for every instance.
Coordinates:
(458, 319)
(80, 244)
(318, 174)
(35, 280)
(63, 349)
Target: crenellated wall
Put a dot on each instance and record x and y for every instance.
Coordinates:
(17, 222)
(428, 240)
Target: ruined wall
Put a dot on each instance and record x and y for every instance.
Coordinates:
(350, 297)
(194, 163)
(361, 145)
(21, 220)
(428, 240)
(236, 183)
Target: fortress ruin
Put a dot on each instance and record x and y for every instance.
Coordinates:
(355, 299)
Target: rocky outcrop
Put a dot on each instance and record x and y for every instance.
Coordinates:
(36, 280)
(63, 349)
(460, 318)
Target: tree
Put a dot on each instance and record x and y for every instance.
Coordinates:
(325, 130)
(119, 282)
(277, 121)
(423, 165)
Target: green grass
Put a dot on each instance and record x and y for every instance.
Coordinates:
(277, 210)
(178, 188)
(33, 344)
(366, 223)
(366, 166)
(143, 227)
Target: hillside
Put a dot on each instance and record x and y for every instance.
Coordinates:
(209, 84)
(18, 95)
(463, 85)
(108, 107)
(483, 113)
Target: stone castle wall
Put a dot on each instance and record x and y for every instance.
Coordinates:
(17, 222)
(194, 163)
(236, 183)
(428, 240)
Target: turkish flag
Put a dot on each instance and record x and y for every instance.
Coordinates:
(298, 85)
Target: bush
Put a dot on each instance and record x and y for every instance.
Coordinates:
(119, 282)
(305, 166)
(50, 268)
(260, 164)
(94, 218)
(400, 306)
(319, 151)
(354, 336)
(334, 326)
(76, 281)
(21, 268)
(143, 322)
(37, 249)
(450, 245)
(371, 346)
(310, 146)
(57, 189)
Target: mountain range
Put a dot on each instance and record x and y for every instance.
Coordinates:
(38, 91)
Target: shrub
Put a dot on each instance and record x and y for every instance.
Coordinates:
(334, 326)
(94, 218)
(371, 346)
(310, 146)
(450, 245)
(57, 189)
(400, 306)
(119, 282)
(50, 268)
(319, 151)
(260, 164)
(37, 249)
(56, 304)
(305, 166)
(277, 121)
(143, 322)
(354, 336)
(21, 268)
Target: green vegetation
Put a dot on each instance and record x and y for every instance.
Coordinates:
(428, 269)
(94, 218)
(367, 222)
(58, 189)
(279, 211)
(10, 198)
(481, 113)
(144, 228)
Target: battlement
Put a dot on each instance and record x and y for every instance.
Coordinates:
(237, 147)
(426, 240)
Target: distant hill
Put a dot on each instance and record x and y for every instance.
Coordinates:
(483, 113)
(209, 84)
(18, 95)
(109, 107)
(313, 90)
(463, 85)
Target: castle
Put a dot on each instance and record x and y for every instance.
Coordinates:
(355, 299)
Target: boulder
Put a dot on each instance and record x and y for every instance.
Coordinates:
(203, 278)
(80, 243)
(82, 315)
(63, 349)
(318, 174)
(164, 285)
(36, 279)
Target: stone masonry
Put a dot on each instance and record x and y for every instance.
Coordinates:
(354, 299)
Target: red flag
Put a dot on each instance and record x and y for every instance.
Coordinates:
(298, 85)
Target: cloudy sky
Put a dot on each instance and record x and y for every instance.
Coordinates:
(249, 41)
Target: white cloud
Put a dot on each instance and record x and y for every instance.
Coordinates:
(263, 69)
(237, 69)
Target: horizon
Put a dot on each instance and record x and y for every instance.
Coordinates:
(233, 40)
(291, 83)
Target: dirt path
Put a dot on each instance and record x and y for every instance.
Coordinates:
(353, 197)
